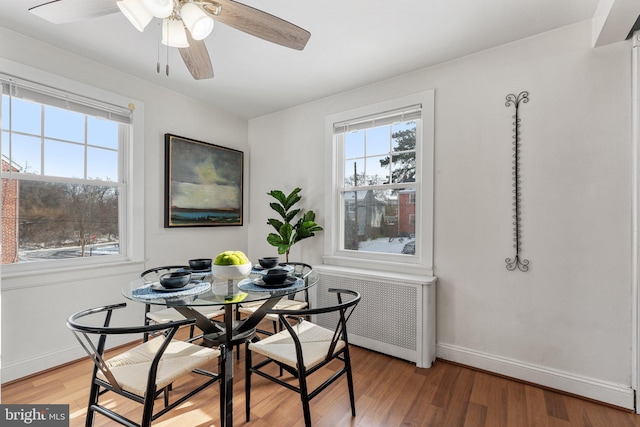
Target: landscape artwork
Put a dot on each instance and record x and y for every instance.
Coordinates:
(203, 184)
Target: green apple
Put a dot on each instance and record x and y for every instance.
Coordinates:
(231, 258)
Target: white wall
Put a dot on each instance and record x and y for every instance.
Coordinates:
(35, 307)
(567, 323)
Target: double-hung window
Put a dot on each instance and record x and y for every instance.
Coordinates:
(64, 179)
(380, 199)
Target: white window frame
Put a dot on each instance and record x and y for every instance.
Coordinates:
(131, 227)
(422, 261)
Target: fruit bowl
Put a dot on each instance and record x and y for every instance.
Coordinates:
(229, 272)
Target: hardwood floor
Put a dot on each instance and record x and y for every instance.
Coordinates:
(389, 393)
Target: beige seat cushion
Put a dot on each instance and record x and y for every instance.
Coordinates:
(131, 368)
(167, 315)
(283, 304)
(315, 341)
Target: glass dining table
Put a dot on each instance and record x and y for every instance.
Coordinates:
(206, 291)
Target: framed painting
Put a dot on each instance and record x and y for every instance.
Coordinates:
(203, 184)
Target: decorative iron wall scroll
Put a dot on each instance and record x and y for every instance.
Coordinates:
(516, 261)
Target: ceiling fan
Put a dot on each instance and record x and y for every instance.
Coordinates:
(185, 23)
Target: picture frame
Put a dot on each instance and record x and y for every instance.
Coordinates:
(203, 184)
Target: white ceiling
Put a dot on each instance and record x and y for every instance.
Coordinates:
(353, 43)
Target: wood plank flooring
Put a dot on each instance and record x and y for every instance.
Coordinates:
(389, 393)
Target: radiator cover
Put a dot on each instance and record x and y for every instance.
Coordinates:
(396, 315)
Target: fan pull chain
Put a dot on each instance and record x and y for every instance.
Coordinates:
(167, 68)
(159, 42)
(168, 38)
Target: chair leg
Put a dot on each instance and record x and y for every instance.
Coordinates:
(223, 383)
(165, 392)
(247, 381)
(238, 346)
(93, 400)
(347, 364)
(304, 396)
(147, 410)
(147, 309)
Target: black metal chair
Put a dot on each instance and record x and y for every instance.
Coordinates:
(171, 314)
(302, 348)
(301, 270)
(143, 372)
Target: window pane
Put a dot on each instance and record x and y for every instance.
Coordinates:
(352, 169)
(63, 124)
(379, 221)
(102, 133)
(404, 167)
(63, 159)
(102, 164)
(404, 157)
(404, 136)
(354, 144)
(378, 141)
(25, 152)
(377, 170)
(57, 220)
(25, 116)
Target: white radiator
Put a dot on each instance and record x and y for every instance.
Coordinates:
(396, 315)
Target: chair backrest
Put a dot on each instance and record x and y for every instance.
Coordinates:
(84, 333)
(343, 309)
(301, 270)
(153, 274)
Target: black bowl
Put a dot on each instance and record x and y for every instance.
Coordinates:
(269, 262)
(176, 279)
(275, 276)
(200, 264)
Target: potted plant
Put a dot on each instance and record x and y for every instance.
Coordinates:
(290, 231)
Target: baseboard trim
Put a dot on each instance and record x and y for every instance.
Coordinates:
(590, 388)
(26, 368)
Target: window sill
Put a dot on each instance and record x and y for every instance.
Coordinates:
(33, 278)
(377, 265)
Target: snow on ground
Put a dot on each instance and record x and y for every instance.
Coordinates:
(384, 245)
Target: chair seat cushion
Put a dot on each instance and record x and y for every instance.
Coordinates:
(283, 304)
(131, 368)
(315, 341)
(167, 315)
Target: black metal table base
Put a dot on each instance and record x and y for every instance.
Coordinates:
(227, 335)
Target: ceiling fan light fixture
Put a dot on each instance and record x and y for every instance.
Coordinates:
(159, 8)
(173, 33)
(196, 20)
(136, 13)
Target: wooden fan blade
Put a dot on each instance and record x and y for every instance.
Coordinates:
(65, 11)
(258, 23)
(196, 58)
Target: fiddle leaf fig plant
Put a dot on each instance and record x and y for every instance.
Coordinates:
(290, 231)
